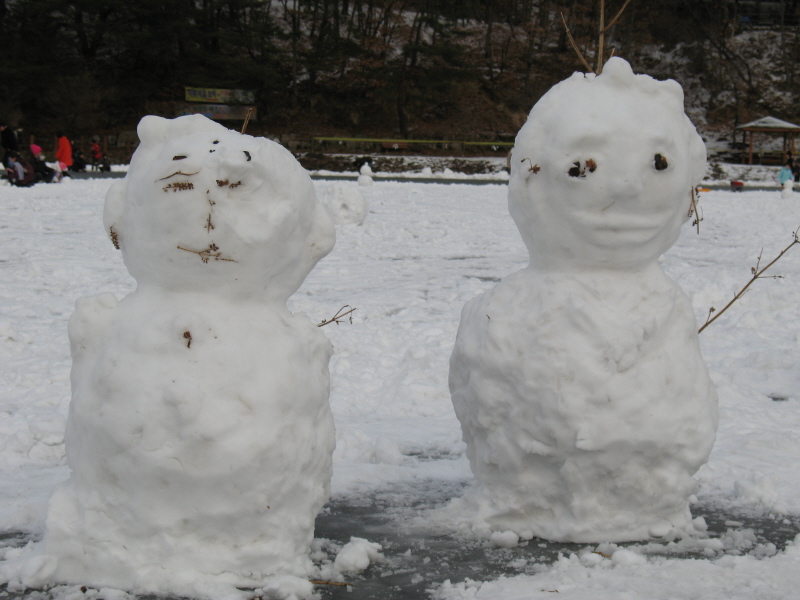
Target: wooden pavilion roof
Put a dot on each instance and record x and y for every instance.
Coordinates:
(770, 124)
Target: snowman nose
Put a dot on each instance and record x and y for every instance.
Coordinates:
(626, 187)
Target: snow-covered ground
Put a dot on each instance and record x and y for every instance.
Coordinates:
(423, 251)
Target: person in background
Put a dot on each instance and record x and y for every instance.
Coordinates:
(78, 162)
(786, 179)
(41, 171)
(64, 151)
(793, 163)
(96, 152)
(19, 172)
(9, 141)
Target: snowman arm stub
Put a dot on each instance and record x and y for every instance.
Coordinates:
(90, 321)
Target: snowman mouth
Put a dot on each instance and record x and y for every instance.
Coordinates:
(627, 225)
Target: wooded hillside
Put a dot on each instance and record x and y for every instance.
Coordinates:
(443, 69)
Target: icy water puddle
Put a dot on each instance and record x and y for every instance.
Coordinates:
(417, 562)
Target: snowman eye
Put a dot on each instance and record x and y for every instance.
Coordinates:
(579, 170)
(660, 162)
(178, 157)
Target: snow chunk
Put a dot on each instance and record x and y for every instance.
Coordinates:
(346, 204)
(627, 558)
(357, 555)
(504, 539)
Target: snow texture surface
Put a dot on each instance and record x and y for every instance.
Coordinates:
(421, 254)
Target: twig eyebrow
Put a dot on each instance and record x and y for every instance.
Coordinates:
(178, 173)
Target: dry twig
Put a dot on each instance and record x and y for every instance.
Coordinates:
(694, 211)
(246, 120)
(757, 274)
(211, 252)
(114, 237)
(619, 14)
(337, 318)
(574, 45)
(601, 37)
(177, 173)
(533, 168)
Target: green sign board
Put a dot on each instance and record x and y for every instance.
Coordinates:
(218, 112)
(217, 96)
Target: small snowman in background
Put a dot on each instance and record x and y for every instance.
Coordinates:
(199, 436)
(786, 179)
(365, 175)
(346, 204)
(583, 399)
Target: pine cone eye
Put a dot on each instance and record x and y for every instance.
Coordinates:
(660, 162)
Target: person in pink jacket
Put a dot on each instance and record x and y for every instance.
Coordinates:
(64, 151)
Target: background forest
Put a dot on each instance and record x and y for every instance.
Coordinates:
(435, 69)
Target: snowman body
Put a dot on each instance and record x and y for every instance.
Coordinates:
(582, 395)
(199, 436)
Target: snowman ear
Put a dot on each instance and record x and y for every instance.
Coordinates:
(323, 233)
(152, 130)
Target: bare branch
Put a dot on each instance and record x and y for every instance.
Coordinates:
(601, 37)
(619, 14)
(756, 275)
(575, 46)
(697, 217)
(337, 318)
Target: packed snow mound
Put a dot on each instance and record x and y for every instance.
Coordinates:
(204, 207)
(582, 395)
(356, 555)
(346, 204)
(199, 436)
(586, 188)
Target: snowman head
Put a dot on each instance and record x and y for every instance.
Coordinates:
(603, 171)
(204, 208)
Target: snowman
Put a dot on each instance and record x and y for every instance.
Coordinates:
(199, 436)
(583, 399)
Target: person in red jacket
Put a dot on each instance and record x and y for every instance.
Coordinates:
(96, 153)
(64, 151)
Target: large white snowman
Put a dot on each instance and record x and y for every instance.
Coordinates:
(199, 436)
(583, 398)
